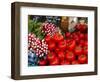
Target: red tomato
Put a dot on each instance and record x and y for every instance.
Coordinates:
(78, 50)
(51, 56)
(64, 62)
(78, 33)
(68, 40)
(71, 37)
(81, 27)
(61, 55)
(57, 50)
(81, 43)
(74, 34)
(51, 45)
(87, 61)
(71, 45)
(75, 62)
(70, 56)
(62, 45)
(86, 37)
(77, 39)
(85, 50)
(58, 37)
(82, 58)
(55, 61)
(86, 43)
(47, 38)
(67, 34)
(42, 62)
(81, 36)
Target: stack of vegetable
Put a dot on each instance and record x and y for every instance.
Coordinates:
(48, 45)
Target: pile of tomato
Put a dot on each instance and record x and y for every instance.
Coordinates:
(71, 49)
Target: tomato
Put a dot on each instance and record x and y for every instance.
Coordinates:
(71, 45)
(81, 27)
(87, 61)
(77, 27)
(78, 33)
(76, 38)
(86, 36)
(47, 38)
(55, 61)
(58, 37)
(86, 43)
(57, 50)
(70, 56)
(74, 33)
(82, 58)
(81, 36)
(64, 62)
(61, 55)
(68, 40)
(42, 62)
(51, 56)
(62, 45)
(85, 50)
(78, 50)
(81, 43)
(75, 62)
(71, 37)
(67, 34)
(51, 45)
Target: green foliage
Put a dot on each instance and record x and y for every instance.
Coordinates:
(35, 27)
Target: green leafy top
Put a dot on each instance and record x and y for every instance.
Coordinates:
(35, 27)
